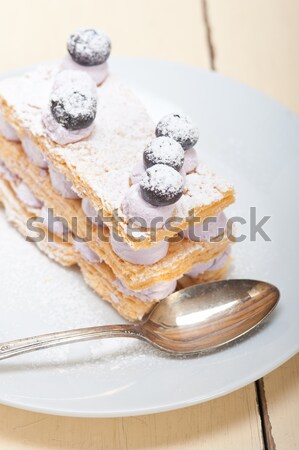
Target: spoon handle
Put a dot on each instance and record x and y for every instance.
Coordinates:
(20, 346)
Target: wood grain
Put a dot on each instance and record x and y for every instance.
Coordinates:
(36, 30)
(254, 41)
(225, 423)
(269, 443)
(282, 397)
(257, 42)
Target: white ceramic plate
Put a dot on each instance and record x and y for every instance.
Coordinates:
(248, 138)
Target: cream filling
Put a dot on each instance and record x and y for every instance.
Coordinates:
(61, 184)
(86, 252)
(98, 73)
(33, 153)
(90, 212)
(7, 130)
(26, 196)
(144, 256)
(155, 292)
(213, 264)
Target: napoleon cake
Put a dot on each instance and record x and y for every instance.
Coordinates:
(88, 176)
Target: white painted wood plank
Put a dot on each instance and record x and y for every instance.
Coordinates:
(256, 42)
(282, 397)
(231, 423)
(36, 30)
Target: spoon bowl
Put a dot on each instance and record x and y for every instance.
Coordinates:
(203, 317)
(195, 319)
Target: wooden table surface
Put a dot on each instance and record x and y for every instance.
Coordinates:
(255, 41)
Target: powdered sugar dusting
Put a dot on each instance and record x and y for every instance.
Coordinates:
(179, 128)
(103, 161)
(202, 188)
(74, 104)
(70, 79)
(28, 95)
(162, 179)
(72, 107)
(59, 301)
(89, 47)
(164, 150)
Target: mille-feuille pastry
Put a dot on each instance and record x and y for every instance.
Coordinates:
(67, 252)
(137, 268)
(90, 151)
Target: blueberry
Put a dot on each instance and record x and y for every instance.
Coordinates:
(161, 185)
(164, 150)
(73, 109)
(179, 128)
(89, 47)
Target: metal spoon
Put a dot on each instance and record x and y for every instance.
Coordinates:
(192, 320)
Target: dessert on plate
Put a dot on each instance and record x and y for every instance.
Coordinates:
(88, 176)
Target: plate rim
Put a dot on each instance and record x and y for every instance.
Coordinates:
(233, 386)
(144, 411)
